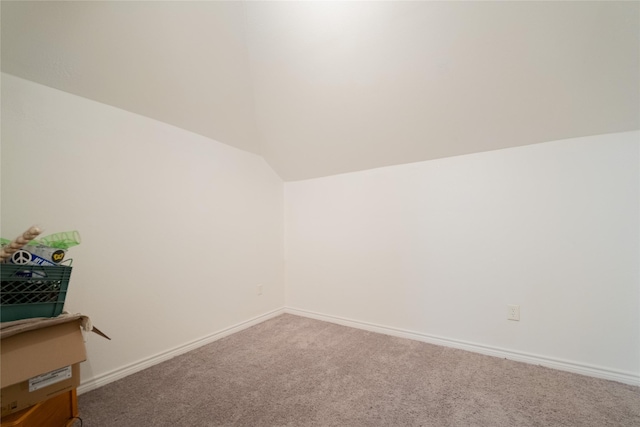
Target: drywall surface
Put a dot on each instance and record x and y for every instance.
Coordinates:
(442, 247)
(178, 230)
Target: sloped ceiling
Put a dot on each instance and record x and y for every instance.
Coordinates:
(320, 88)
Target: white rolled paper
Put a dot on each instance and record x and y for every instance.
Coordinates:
(19, 242)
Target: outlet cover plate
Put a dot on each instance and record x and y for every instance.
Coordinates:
(513, 312)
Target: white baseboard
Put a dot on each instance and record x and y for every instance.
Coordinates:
(549, 362)
(132, 368)
(563, 365)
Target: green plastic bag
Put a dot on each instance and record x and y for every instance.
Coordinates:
(63, 240)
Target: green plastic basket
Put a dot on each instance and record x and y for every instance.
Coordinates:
(28, 291)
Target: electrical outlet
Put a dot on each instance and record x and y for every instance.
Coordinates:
(260, 289)
(513, 312)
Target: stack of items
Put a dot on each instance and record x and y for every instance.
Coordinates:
(40, 349)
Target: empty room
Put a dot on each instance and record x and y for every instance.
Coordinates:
(335, 213)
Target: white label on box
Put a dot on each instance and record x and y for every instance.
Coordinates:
(36, 383)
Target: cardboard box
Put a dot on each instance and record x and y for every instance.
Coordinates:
(61, 410)
(40, 363)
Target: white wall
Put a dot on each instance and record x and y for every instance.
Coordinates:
(441, 247)
(177, 229)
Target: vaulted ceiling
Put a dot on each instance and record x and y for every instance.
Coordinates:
(320, 88)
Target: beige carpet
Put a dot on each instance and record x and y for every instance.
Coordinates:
(294, 371)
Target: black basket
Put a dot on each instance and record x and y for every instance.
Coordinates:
(32, 291)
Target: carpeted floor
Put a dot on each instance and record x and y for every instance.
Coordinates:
(294, 371)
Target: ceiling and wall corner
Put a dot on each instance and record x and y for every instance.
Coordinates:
(183, 63)
(321, 88)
